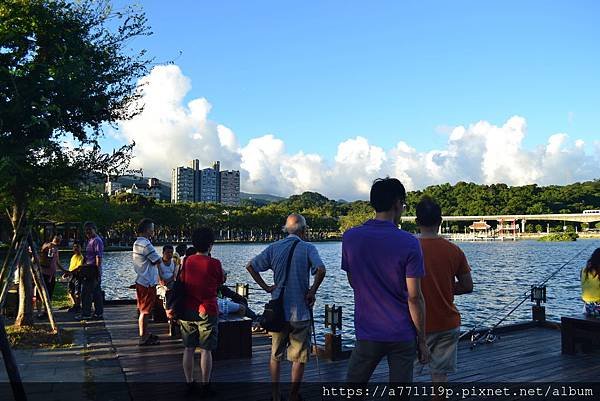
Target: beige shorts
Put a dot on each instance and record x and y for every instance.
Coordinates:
(295, 338)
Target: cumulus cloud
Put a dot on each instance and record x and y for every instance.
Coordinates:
(169, 132)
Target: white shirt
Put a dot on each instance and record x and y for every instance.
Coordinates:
(144, 257)
(167, 271)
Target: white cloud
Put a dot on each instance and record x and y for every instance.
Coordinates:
(170, 132)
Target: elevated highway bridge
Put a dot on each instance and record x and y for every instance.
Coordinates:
(571, 217)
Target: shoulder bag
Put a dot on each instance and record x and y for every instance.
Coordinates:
(176, 297)
(273, 318)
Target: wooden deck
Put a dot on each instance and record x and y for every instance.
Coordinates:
(528, 354)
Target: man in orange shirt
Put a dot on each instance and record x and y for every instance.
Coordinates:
(448, 274)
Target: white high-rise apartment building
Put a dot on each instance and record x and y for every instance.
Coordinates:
(193, 184)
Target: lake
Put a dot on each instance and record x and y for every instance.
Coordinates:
(501, 271)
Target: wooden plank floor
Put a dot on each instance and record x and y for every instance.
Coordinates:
(531, 354)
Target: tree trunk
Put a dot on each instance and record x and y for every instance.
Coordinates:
(25, 314)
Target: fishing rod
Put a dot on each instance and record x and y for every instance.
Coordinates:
(488, 336)
(312, 321)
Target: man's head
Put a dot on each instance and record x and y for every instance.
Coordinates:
(429, 213)
(145, 228)
(180, 249)
(57, 239)
(295, 224)
(76, 248)
(167, 252)
(190, 251)
(90, 229)
(388, 196)
(203, 239)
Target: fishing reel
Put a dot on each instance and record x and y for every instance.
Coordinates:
(483, 338)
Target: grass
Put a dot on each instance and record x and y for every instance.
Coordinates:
(60, 298)
(38, 336)
(41, 335)
(557, 237)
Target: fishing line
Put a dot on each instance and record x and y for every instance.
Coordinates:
(525, 296)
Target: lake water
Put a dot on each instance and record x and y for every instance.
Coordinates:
(501, 271)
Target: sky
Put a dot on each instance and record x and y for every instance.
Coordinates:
(328, 95)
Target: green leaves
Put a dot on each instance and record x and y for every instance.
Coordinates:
(66, 68)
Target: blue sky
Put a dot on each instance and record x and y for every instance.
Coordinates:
(316, 73)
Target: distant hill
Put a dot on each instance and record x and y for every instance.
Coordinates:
(261, 197)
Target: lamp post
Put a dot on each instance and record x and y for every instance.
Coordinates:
(333, 341)
(242, 289)
(538, 295)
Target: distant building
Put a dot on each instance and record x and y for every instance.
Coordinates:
(230, 187)
(193, 184)
(150, 187)
(183, 185)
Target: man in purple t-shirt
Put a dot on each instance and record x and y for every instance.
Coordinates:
(384, 267)
(91, 283)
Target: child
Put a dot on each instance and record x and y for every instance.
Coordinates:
(166, 274)
(74, 280)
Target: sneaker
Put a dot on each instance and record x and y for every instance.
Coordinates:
(191, 388)
(207, 391)
(97, 317)
(83, 317)
(149, 340)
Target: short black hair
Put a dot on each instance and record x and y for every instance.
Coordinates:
(190, 251)
(385, 192)
(167, 248)
(89, 224)
(143, 225)
(180, 249)
(429, 212)
(203, 238)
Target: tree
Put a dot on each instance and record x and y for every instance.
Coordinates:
(64, 73)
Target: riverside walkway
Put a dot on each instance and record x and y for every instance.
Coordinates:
(107, 364)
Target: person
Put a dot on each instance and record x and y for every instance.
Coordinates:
(590, 285)
(49, 264)
(145, 263)
(75, 263)
(231, 302)
(178, 256)
(384, 266)
(166, 280)
(91, 275)
(298, 298)
(448, 274)
(201, 276)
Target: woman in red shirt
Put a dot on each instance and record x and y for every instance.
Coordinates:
(201, 275)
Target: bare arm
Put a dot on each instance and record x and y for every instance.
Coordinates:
(319, 276)
(416, 307)
(259, 280)
(464, 284)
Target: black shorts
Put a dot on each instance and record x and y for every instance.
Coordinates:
(74, 285)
